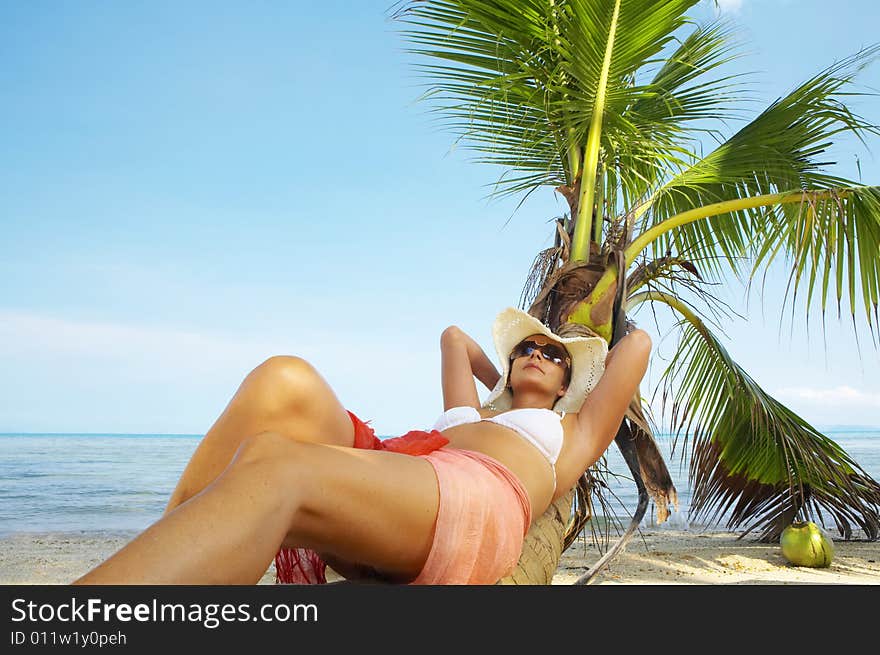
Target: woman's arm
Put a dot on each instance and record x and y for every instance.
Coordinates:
(462, 360)
(604, 409)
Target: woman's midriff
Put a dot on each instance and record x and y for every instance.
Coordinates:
(523, 459)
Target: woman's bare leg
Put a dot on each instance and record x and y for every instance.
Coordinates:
(376, 508)
(221, 536)
(285, 395)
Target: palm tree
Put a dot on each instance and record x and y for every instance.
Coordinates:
(606, 102)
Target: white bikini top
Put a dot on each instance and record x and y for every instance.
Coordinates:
(540, 427)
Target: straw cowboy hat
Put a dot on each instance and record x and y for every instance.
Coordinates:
(587, 359)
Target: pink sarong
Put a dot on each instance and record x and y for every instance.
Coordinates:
(483, 518)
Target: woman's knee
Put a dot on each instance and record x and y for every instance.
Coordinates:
(275, 459)
(283, 381)
(290, 468)
(266, 448)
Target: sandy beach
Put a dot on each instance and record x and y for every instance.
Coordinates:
(680, 557)
(652, 557)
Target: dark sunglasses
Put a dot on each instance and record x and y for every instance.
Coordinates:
(548, 351)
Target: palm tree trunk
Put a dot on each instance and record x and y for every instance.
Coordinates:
(576, 286)
(542, 548)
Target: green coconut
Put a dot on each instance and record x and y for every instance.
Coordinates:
(805, 544)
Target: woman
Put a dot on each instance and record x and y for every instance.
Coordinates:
(287, 466)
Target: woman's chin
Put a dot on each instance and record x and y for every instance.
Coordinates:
(536, 393)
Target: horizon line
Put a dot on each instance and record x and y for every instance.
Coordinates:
(821, 428)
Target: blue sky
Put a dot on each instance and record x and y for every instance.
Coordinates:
(189, 188)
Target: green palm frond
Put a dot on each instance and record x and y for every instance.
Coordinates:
(657, 269)
(752, 456)
(492, 88)
(518, 85)
(783, 149)
(832, 243)
(833, 235)
(680, 278)
(680, 89)
(681, 101)
(643, 30)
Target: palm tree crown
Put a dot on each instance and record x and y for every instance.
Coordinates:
(609, 103)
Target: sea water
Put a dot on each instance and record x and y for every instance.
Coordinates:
(120, 482)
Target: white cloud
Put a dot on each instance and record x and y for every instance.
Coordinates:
(836, 397)
(184, 375)
(833, 406)
(31, 335)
